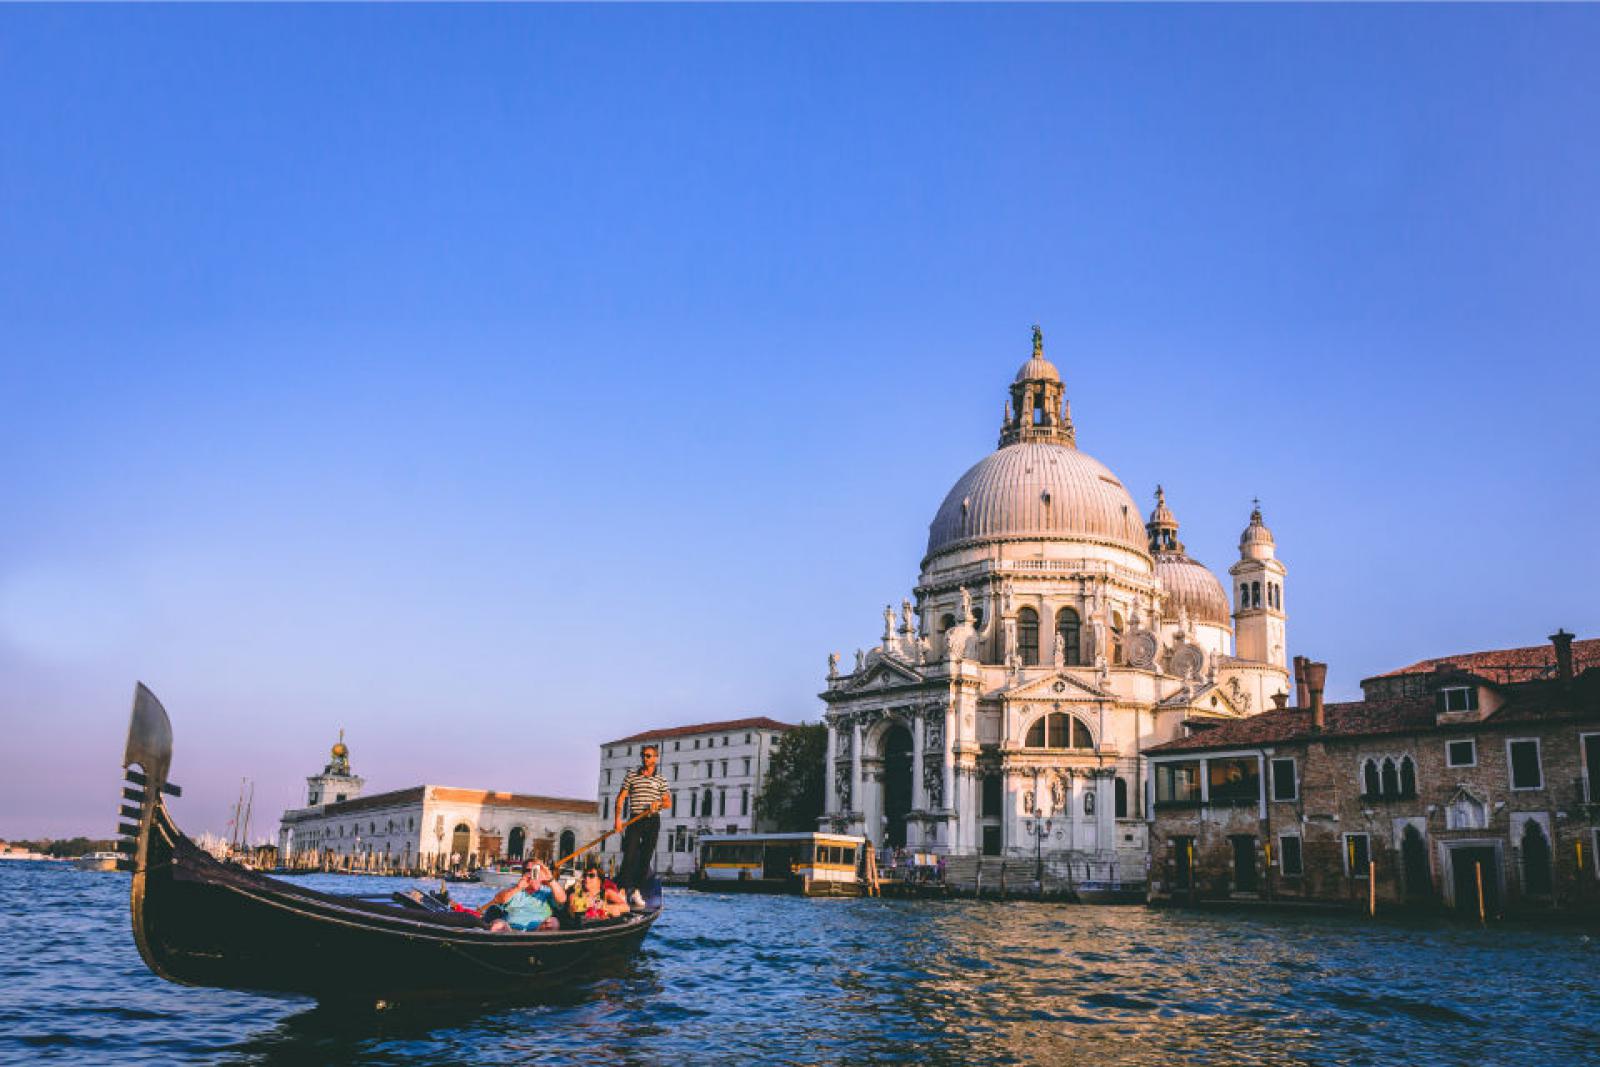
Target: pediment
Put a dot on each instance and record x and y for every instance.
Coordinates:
(883, 673)
(1057, 686)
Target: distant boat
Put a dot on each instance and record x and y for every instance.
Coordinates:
(810, 864)
(199, 921)
(98, 861)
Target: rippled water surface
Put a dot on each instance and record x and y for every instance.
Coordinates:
(778, 979)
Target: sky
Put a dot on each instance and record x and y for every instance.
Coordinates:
(491, 382)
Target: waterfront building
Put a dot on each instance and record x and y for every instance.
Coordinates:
(426, 826)
(1482, 768)
(715, 771)
(1050, 639)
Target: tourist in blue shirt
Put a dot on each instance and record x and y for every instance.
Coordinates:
(531, 903)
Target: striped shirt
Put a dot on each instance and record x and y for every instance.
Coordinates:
(644, 790)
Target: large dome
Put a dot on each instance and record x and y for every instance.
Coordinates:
(1037, 490)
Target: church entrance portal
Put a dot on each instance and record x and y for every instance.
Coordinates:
(517, 843)
(896, 784)
(460, 844)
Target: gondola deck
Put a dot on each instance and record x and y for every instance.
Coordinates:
(198, 921)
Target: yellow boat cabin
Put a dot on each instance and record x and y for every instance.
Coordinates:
(811, 864)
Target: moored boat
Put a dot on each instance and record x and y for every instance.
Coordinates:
(810, 864)
(97, 861)
(200, 921)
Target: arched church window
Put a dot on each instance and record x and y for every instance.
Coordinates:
(1070, 630)
(1244, 594)
(1028, 636)
(1391, 779)
(1369, 779)
(1116, 638)
(1255, 594)
(1408, 777)
(1058, 730)
(1120, 789)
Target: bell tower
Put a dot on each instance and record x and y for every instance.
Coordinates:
(1258, 618)
(1038, 409)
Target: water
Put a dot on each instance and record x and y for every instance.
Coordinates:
(744, 979)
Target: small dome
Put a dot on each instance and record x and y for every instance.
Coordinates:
(1037, 490)
(1190, 585)
(340, 751)
(1038, 368)
(1256, 533)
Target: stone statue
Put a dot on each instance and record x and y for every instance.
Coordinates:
(1060, 656)
(907, 619)
(1088, 802)
(861, 661)
(1038, 342)
(966, 606)
(1027, 802)
(1011, 640)
(1058, 796)
(833, 664)
(933, 733)
(933, 783)
(841, 786)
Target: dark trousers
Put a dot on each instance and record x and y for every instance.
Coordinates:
(638, 849)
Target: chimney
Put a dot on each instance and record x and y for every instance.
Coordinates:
(1315, 675)
(1300, 681)
(1563, 642)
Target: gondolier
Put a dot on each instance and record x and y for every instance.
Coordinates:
(643, 792)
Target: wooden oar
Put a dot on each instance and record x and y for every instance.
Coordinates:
(564, 860)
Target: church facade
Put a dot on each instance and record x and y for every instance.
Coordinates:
(1053, 635)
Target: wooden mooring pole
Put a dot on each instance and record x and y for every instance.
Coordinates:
(1478, 869)
(1372, 888)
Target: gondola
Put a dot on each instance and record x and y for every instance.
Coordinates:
(198, 921)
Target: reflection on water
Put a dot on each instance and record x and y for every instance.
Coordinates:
(727, 979)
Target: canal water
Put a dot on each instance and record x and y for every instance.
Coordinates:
(744, 979)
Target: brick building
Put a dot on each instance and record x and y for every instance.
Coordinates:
(1485, 764)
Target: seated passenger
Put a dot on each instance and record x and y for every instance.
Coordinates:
(597, 897)
(531, 903)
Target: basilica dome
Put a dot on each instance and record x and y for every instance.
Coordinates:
(1037, 491)
(1190, 585)
(1192, 590)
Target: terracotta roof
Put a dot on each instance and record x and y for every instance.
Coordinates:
(759, 722)
(1371, 718)
(1509, 664)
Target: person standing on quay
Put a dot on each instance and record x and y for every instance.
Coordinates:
(643, 792)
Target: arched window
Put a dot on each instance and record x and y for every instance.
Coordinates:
(705, 803)
(1255, 594)
(945, 622)
(1121, 792)
(1116, 639)
(1244, 594)
(1058, 730)
(1408, 777)
(1535, 860)
(1391, 779)
(1028, 636)
(1369, 779)
(1070, 630)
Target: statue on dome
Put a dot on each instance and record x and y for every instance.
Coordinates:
(1038, 342)
(907, 619)
(833, 664)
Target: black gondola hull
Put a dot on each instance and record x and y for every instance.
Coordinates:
(201, 922)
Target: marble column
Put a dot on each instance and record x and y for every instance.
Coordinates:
(856, 792)
(832, 794)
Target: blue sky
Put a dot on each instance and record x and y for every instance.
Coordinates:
(493, 381)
